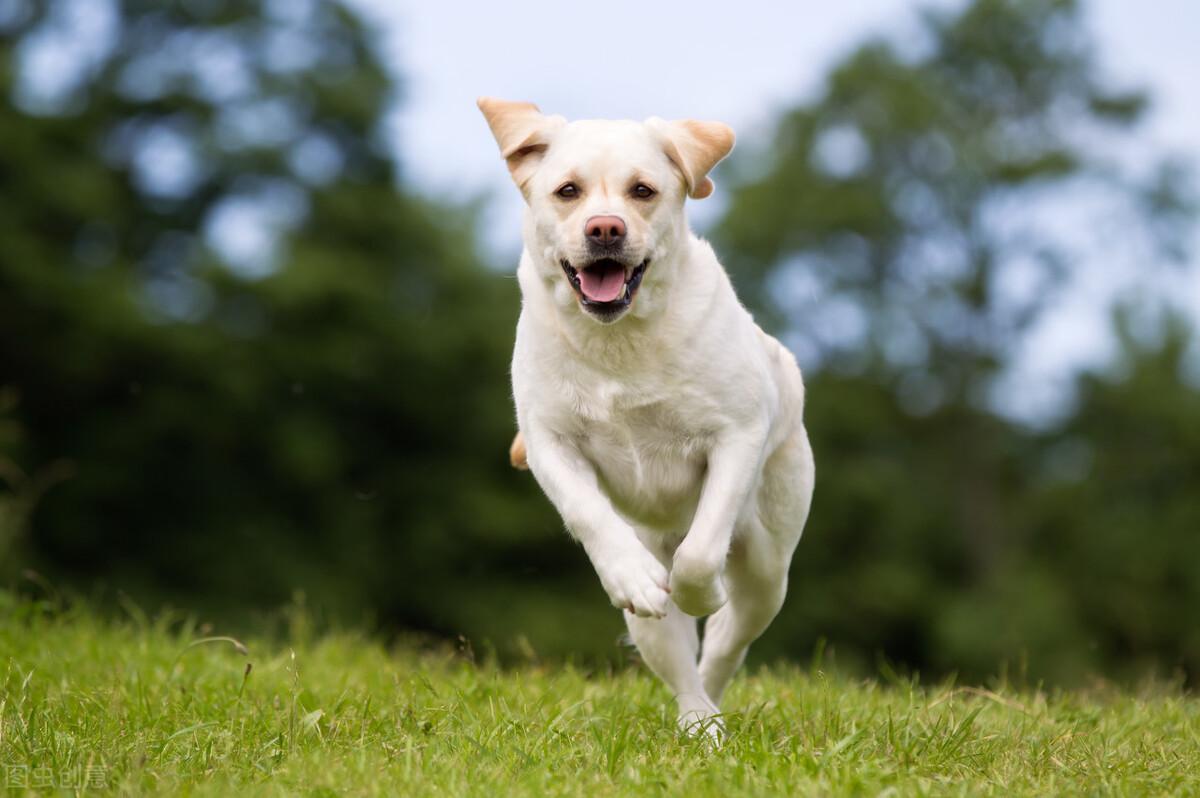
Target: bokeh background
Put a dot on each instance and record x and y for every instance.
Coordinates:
(257, 303)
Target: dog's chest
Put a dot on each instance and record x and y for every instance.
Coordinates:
(648, 450)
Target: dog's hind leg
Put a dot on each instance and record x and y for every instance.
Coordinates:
(669, 646)
(756, 570)
(754, 600)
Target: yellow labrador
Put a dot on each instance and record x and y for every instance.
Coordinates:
(663, 424)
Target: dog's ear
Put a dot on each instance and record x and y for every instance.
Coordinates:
(522, 132)
(694, 147)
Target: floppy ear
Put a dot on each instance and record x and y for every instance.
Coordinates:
(694, 147)
(522, 132)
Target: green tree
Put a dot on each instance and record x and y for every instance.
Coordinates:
(270, 365)
(1120, 512)
(239, 356)
(911, 226)
(918, 216)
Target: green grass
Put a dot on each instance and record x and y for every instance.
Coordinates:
(143, 706)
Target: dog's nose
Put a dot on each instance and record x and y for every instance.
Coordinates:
(606, 231)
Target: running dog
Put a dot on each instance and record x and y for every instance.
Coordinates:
(665, 427)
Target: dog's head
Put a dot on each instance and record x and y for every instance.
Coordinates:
(605, 197)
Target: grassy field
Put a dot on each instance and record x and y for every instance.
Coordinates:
(152, 706)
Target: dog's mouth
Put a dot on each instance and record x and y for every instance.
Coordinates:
(605, 286)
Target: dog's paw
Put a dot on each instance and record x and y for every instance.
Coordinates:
(636, 582)
(700, 718)
(696, 586)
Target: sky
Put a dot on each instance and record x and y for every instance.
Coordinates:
(740, 63)
(694, 60)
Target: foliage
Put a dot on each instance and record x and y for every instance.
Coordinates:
(956, 541)
(325, 411)
(917, 217)
(912, 225)
(241, 358)
(148, 706)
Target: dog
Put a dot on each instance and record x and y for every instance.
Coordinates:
(663, 424)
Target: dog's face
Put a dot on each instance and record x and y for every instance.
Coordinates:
(605, 197)
(605, 203)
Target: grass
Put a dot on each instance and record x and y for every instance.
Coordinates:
(160, 706)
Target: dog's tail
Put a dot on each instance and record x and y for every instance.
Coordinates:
(517, 455)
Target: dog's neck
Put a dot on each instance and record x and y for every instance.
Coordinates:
(673, 300)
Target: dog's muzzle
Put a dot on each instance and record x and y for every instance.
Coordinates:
(605, 286)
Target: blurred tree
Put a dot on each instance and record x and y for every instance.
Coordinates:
(270, 366)
(240, 357)
(917, 217)
(1119, 513)
(904, 231)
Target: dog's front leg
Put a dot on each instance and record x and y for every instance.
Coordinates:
(733, 468)
(633, 578)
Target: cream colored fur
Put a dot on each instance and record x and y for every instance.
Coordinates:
(671, 437)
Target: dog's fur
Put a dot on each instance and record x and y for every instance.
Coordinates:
(665, 427)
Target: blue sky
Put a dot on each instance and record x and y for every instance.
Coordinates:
(699, 60)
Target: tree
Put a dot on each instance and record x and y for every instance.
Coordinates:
(912, 224)
(921, 213)
(239, 356)
(270, 365)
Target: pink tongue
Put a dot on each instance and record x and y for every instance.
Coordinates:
(603, 282)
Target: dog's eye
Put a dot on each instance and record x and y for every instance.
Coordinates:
(643, 191)
(568, 191)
